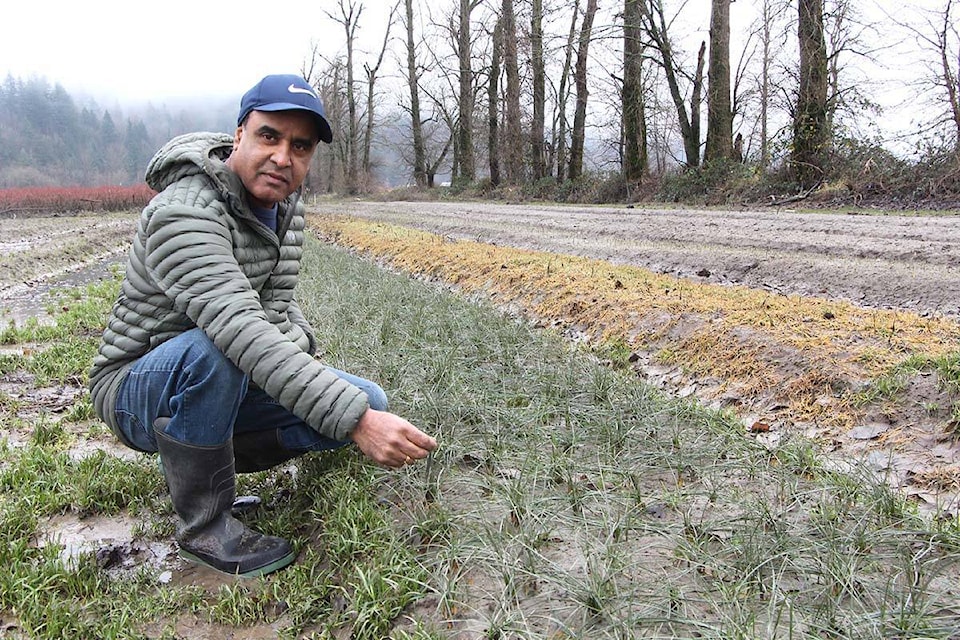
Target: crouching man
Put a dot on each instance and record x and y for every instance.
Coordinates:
(206, 357)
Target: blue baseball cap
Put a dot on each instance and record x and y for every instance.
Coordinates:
(282, 93)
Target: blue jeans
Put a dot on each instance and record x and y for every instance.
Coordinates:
(208, 399)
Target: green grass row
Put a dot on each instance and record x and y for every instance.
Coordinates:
(566, 500)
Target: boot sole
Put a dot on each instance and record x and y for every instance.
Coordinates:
(276, 565)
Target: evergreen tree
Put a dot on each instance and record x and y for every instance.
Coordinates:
(46, 139)
(138, 150)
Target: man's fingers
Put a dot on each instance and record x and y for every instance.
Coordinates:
(409, 457)
(422, 441)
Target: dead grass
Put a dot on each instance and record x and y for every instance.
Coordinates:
(807, 356)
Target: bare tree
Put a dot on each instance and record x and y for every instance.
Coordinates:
(309, 67)
(635, 156)
(440, 138)
(766, 41)
(655, 26)
(325, 156)
(413, 81)
(719, 112)
(578, 134)
(948, 46)
(811, 139)
(940, 39)
(464, 143)
(331, 159)
(493, 106)
(513, 149)
(848, 35)
(760, 89)
(349, 18)
(371, 73)
(563, 93)
(539, 93)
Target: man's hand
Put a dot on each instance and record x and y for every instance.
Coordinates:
(390, 440)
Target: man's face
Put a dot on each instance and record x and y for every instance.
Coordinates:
(272, 152)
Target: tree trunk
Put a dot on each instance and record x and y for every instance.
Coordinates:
(719, 114)
(578, 135)
(810, 135)
(513, 149)
(562, 95)
(539, 97)
(371, 73)
(332, 92)
(766, 40)
(464, 142)
(692, 140)
(413, 80)
(635, 161)
(493, 107)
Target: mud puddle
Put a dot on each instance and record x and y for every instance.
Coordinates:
(113, 543)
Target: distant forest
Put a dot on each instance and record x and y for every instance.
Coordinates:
(49, 138)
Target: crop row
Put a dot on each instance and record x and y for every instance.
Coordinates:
(39, 200)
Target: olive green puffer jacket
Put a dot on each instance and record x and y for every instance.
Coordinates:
(200, 258)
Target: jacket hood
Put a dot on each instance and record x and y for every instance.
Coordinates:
(186, 155)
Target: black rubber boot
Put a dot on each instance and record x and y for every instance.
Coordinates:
(202, 486)
(259, 450)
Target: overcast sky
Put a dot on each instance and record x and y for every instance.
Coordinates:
(139, 51)
(179, 48)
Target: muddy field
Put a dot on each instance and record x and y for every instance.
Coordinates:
(904, 262)
(893, 262)
(907, 262)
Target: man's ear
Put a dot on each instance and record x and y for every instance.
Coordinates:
(236, 136)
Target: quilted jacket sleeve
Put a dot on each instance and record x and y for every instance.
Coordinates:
(296, 316)
(190, 254)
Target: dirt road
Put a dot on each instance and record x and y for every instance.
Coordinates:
(904, 261)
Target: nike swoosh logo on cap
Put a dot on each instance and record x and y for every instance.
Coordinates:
(295, 89)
